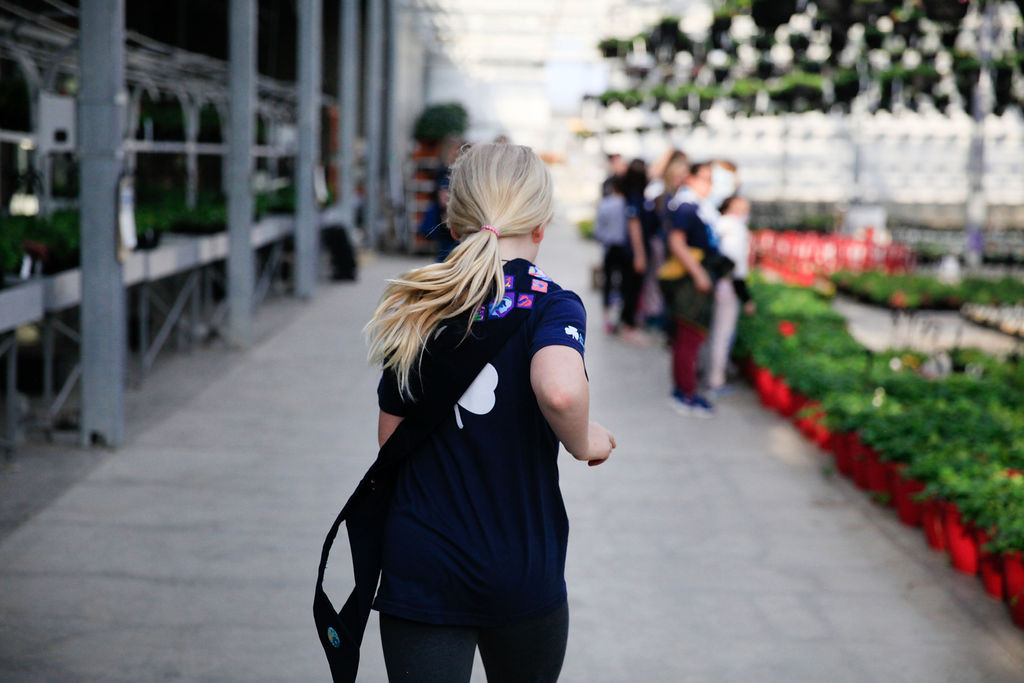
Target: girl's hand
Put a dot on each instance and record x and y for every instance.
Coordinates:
(601, 443)
(701, 280)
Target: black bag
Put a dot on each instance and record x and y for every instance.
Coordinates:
(450, 365)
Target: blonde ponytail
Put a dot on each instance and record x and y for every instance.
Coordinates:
(500, 185)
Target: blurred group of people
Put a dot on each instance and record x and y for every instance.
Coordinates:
(676, 258)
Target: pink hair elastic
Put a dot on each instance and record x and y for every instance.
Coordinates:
(491, 228)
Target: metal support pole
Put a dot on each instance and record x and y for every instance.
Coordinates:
(241, 129)
(142, 302)
(190, 112)
(49, 348)
(348, 93)
(392, 138)
(101, 109)
(374, 83)
(11, 391)
(981, 105)
(307, 224)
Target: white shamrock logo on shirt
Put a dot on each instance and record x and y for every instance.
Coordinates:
(479, 397)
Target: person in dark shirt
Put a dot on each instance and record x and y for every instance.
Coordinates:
(691, 241)
(475, 539)
(617, 168)
(435, 220)
(639, 217)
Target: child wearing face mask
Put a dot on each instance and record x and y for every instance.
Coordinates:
(730, 292)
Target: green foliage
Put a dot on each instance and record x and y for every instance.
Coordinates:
(439, 121)
(913, 291)
(586, 228)
(11, 233)
(962, 435)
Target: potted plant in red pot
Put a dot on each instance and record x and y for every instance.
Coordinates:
(997, 498)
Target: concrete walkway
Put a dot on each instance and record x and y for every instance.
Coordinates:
(716, 550)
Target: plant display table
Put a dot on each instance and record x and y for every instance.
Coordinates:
(939, 438)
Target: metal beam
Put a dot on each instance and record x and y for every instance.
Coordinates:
(101, 110)
(241, 126)
(348, 94)
(307, 224)
(373, 108)
(392, 135)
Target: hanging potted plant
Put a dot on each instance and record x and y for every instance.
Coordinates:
(439, 121)
(946, 11)
(771, 14)
(846, 85)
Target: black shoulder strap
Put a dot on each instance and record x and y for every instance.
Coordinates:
(454, 361)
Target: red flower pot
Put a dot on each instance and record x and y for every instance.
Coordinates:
(892, 479)
(784, 400)
(1013, 572)
(931, 522)
(874, 472)
(859, 455)
(765, 385)
(904, 496)
(844, 453)
(990, 567)
(822, 436)
(961, 543)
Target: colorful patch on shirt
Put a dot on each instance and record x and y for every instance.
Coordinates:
(534, 271)
(332, 636)
(481, 313)
(510, 282)
(539, 286)
(499, 309)
(524, 301)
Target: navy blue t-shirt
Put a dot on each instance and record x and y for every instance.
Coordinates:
(477, 530)
(686, 216)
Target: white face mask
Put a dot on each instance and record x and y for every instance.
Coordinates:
(723, 184)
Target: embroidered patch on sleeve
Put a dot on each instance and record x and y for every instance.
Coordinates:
(499, 309)
(481, 313)
(539, 286)
(534, 271)
(524, 301)
(510, 282)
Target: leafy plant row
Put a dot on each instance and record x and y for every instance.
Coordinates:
(55, 240)
(913, 291)
(961, 433)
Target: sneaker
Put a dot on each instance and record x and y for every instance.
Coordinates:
(691, 406)
(701, 407)
(679, 403)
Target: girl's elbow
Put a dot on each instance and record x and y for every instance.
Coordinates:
(563, 399)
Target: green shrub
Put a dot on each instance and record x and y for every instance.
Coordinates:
(439, 121)
(962, 435)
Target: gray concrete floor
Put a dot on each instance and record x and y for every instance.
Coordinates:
(720, 550)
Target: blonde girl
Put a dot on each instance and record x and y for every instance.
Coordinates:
(475, 541)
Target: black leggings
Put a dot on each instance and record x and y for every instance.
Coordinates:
(526, 651)
(618, 261)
